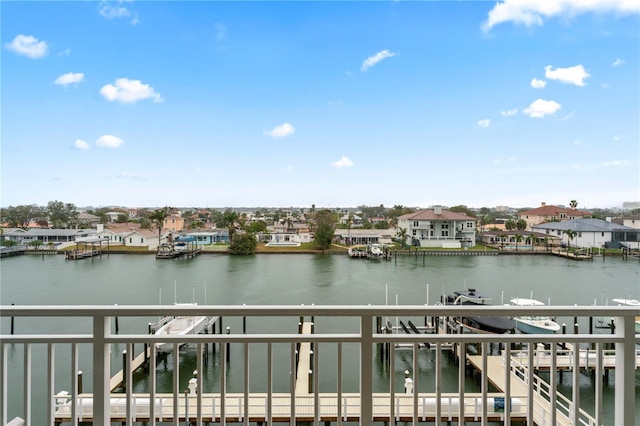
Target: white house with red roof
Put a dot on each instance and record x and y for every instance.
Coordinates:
(439, 228)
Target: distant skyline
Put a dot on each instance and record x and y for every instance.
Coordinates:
(337, 104)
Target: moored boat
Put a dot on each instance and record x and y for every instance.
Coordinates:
(180, 325)
(533, 324)
(479, 324)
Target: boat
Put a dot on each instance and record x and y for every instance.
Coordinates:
(479, 324)
(377, 251)
(180, 325)
(534, 324)
(630, 302)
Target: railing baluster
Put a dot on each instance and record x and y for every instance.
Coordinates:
(27, 383)
(51, 362)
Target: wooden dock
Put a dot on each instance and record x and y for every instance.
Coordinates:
(496, 375)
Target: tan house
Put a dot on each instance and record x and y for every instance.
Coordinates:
(545, 213)
(173, 223)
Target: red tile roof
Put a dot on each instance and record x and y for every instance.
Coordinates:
(553, 211)
(429, 214)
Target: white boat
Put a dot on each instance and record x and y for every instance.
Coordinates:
(180, 325)
(630, 302)
(534, 324)
(376, 251)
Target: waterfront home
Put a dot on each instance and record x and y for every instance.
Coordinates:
(361, 236)
(509, 239)
(592, 233)
(141, 238)
(351, 219)
(286, 234)
(88, 219)
(439, 228)
(548, 213)
(47, 236)
(207, 237)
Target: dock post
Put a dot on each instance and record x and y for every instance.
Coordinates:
(116, 320)
(205, 353)
(213, 344)
(79, 375)
(124, 370)
(228, 345)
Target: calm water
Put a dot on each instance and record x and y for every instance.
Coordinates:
(297, 279)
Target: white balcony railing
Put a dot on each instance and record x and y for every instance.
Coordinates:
(531, 399)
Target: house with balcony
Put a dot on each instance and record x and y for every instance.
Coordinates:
(548, 213)
(438, 228)
(173, 223)
(350, 237)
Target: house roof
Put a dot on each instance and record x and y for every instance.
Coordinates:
(584, 225)
(430, 214)
(58, 232)
(549, 211)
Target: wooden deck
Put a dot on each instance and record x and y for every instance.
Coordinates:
(304, 406)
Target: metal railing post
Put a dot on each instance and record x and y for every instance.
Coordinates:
(101, 371)
(625, 367)
(366, 369)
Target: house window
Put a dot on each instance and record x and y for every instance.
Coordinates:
(414, 233)
(579, 234)
(130, 240)
(416, 223)
(445, 226)
(602, 234)
(141, 240)
(558, 231)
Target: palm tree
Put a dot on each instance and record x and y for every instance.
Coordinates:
(573, 204)
(402, 234)
(518, 240)
(570, 235)
(159, 216)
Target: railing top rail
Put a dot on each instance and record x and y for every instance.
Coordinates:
(310, 310)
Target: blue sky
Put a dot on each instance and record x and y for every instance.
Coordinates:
(215, 104)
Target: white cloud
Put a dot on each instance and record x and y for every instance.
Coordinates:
(118, 11)
(129, 91)
(69, 78)
(533, 12)
(372, 60)
(285, 129)
(28, 45)
(509, 113)
(81, 145)
(65, 52)
(109, 141)
(614, 163)
(540, 107)
(342, 162)
(572, 75)
(484, 123)
(618, 62)
(538, 84)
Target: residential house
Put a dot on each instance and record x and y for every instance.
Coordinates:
(548, 213)
(285, 234)
(439, 228)
(113, 216)
(173, 223)
(632, 221)
(141, 238)
(356, 221)
(592, 233)
(47, 236)
(87, 219)
(509, 239)
(216, 236)
(350, 237)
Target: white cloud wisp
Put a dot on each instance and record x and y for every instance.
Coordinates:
(109, 141)
(129, 91)
(534, 12)
(541, 108)
(69, 78)
(572, 75)
(342, 163)
(28, 45)
(281, 131)
(80, 145)
(484, 123)
(373, 60)
(538, 84)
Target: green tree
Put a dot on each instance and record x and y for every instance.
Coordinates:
(62, 215)
(8, 243)
(510, 225)
(35, 244)
(243, 243)
(325, 222)
(20, 216)
(573, 204)
(521, 224)
(257, 226)
(402, 234)
(158, 216)
(462, 209)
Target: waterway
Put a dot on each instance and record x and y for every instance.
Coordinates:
(297, 279)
